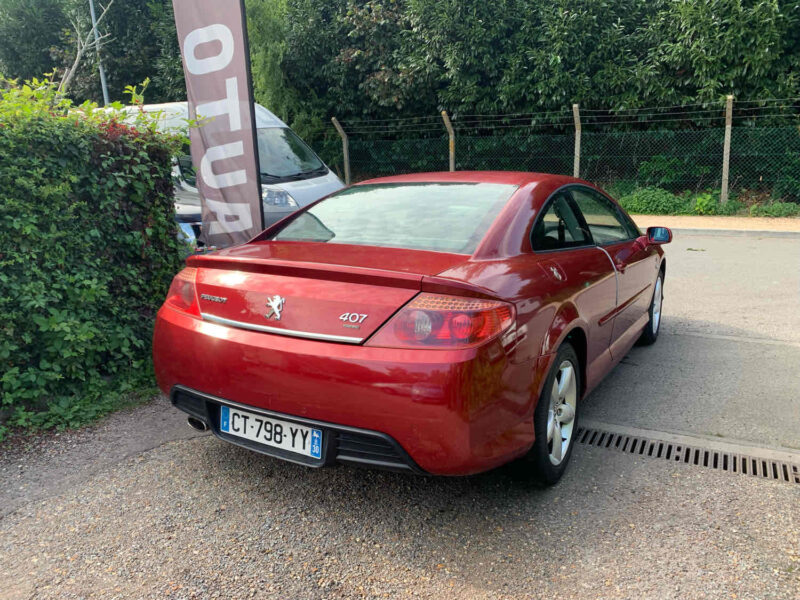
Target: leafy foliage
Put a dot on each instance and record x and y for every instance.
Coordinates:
(30, 33)
(671, 172)
(775, 209)
(88, 247)
(705, 204)
(389, 58)
(654, 201)
(36, 38)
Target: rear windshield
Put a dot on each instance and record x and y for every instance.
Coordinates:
(446, 217)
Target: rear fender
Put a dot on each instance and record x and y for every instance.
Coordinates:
(565, 322)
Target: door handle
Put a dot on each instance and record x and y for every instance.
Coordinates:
(620, 266)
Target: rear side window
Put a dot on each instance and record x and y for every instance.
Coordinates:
(559, 227)
(602, 217)
(446, 217)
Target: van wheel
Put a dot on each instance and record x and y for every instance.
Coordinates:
(555, 418)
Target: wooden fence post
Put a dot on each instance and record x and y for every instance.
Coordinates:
(345, 149)
(576, 165)
(726, 150)
(452, 134)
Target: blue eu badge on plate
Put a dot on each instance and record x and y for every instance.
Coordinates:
(224, 418)
(316, 443)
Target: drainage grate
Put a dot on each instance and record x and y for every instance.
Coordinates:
(721, 460)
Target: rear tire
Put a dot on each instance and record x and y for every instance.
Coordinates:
(650, 333)
(555, 419)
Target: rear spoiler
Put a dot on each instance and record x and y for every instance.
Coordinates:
(344, 273)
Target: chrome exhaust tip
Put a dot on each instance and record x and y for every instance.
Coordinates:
(197, 424)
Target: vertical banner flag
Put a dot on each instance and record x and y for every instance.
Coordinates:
(216, 61)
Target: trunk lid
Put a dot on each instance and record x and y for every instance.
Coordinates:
(332, 292)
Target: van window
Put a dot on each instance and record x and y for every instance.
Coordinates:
(283, 154)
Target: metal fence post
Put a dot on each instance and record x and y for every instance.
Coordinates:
(345, 149)
(452, 134)
(576, 166)
(726, 150)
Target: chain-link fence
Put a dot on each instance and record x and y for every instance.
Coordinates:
(379, 158)
(680, 149)
(766, 160)
(674, 160)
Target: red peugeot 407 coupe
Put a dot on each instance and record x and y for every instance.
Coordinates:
(441, 323)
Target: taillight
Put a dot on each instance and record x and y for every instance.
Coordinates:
(439, 321)
(181, 294)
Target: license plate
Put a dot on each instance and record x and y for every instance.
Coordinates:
(271, 432)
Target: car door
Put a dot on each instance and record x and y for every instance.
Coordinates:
(634, 262)
(578, 273)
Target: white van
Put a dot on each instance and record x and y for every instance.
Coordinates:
(292, 175)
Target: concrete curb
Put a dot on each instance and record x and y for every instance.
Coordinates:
(757, 233)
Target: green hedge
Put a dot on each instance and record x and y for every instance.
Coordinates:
(88, 246)
(655, 201)
(776, 209)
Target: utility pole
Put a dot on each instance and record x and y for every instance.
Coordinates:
(451, 134)
(726, 150)
(576, 161)
(345, 149)
(106, 101)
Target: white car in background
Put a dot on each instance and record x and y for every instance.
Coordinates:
(292, 175)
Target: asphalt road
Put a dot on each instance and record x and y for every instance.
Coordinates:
(140, 506)
(728, 359)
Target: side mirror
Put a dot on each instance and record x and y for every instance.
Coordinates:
(659, 235)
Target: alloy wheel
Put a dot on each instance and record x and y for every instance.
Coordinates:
(561, 412)
(658, 296)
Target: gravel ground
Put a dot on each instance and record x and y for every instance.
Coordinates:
(214, 520)
(39, 466)
(726, 361)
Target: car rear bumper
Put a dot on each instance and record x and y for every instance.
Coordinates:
(437, 411)
(341, 444)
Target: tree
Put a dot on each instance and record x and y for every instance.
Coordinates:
(86, 40)
(30, 33)
(167, 82)
(266, 27)
(700, 51)
(38, 36)
(141, 43)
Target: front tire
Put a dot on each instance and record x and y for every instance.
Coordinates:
(555, 419)
(650, 333)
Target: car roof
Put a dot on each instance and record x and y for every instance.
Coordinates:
(518, 178)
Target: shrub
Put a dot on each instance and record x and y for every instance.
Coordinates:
(705, 204)
(621, 188)
(655, 201)
(88, 246)
(730, 208)
(776, 209)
